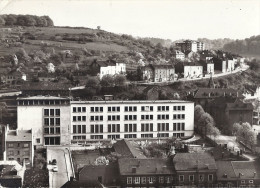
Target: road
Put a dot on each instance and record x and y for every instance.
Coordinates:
(57, 179)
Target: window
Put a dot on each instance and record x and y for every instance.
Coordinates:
(163, 108)
(163, 116)
(96, 128)
(129, 180)
(83, 128)
(57, 120)
(150, 180)
(51, 112)
(210, 177)
(46, 112)
(130, 127)
(74, 118)
(137, 180)
(79, 109)
(38, 140)
(83, 109)
(130, 136)
(114, 109)
(143, 180)
(130, 117)
(162, 126)
(146, 127)
(113, 118)
(25, 145)
(243, 181)
(130, 108)
(201, 178)
(74, 128)
(10, 152)
(251, 181)
(96, 109)
(181, 178)
(74, 109)
(161, 179)
(191, 177)
(46, 121)
(147, 108)
(113, 128)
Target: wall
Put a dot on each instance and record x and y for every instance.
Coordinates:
(193, 71)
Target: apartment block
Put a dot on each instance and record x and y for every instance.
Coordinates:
(59, 121)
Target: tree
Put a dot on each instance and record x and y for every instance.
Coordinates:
(215, 132)
(245, 134)
(205, 123)
(235, 128)
(107, 81)
(2, 21)
(120, 80)
(41, 21)
(10, 19)
(198, 111)
(93, 82)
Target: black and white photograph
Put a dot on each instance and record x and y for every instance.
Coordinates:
(129, 93)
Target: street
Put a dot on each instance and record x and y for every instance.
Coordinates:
(57, 179)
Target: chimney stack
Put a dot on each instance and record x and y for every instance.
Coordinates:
(254, 174)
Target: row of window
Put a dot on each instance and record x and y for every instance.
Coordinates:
(52, 130)
(52, 121)
(79, 109)
(148, 180)
(129, 117)
(51, 112)
(81, 118)
(11, 145)
(128, 108)
(112, 128)
(79, 129)
(117, 136)
(18, 152)
(192, 178)
(42, 102)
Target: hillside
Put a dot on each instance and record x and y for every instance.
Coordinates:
(249, 46)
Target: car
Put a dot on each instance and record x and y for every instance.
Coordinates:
(55, 169)
(54, 162)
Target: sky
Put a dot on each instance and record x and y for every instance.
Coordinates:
(167, 19)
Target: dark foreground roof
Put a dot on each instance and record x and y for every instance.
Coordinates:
(145, 166)
(193, 161)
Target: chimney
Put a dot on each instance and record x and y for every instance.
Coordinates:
(209, 94)
(240, 174)
(133, 169)
(254, 174)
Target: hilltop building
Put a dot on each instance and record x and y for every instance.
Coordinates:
(104, 67)
(158, 73)
(193, 70)
(179, 55)
(59, 121)
(189, 45)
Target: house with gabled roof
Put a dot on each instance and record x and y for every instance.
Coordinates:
(238, 173)
(146, 172)
(159, 72)
(195, 169)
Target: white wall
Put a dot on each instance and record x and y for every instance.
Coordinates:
(193, 71)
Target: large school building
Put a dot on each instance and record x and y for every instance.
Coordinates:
(60, 121)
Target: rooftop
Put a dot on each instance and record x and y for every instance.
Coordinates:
(225, 170)
(216, 92)
(131, 166)
(194, 161)
(109, 173)
(128, 150)
(40, 97)
(246, 169)
(130, 102)
(19, 135)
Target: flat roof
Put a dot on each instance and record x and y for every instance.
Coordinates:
(130, 102)
(40, 97)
